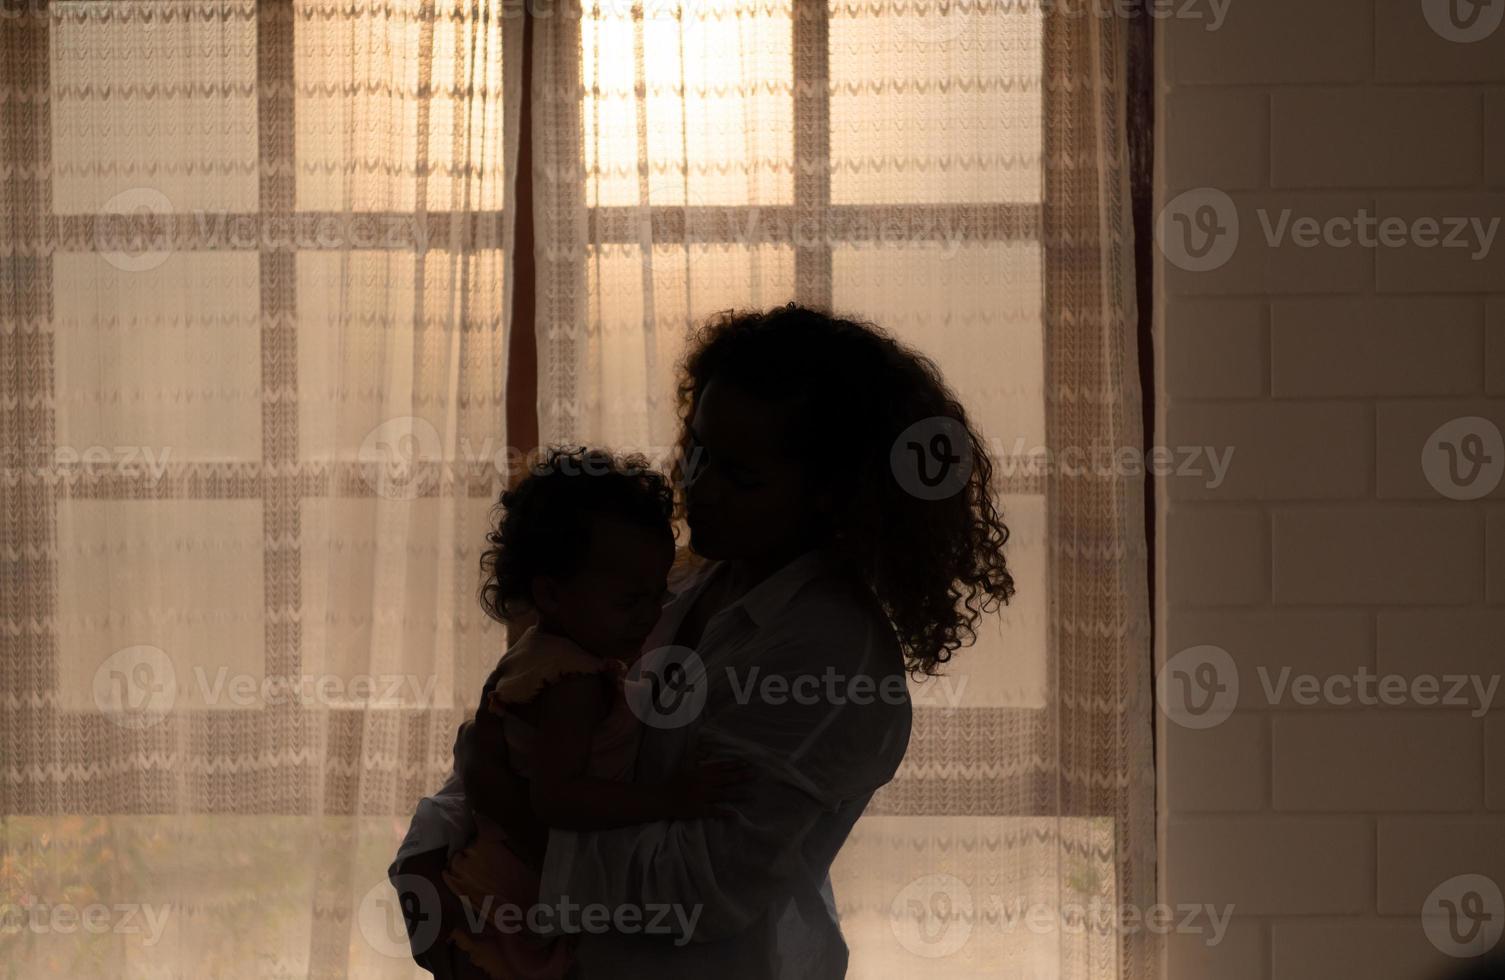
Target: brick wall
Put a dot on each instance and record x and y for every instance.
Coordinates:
(1341, 539)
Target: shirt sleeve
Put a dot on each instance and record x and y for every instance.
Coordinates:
(816, 703)
(441, 820)
(710, 879)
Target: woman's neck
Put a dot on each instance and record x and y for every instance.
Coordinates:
(746, 574)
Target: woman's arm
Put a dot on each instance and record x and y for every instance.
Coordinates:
(821, 762)
(718, 876)
(564, 796)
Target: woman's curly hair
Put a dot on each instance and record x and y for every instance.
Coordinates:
(542, 525)
(934, 559)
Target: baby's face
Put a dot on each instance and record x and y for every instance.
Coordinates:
(612, 603)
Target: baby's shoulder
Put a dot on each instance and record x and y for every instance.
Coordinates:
(538, 661)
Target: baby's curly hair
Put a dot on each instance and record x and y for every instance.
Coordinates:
(935, 564)
(542, 525)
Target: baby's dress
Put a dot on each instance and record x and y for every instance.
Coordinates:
(487, 870)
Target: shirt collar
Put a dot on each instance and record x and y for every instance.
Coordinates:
(763, 601)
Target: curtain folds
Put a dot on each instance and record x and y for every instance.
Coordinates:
(254, 330)
(254, 319)
(956, 174)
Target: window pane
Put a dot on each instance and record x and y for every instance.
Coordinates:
(717, 116)
(386, 583)
(970, 898)
(934, 101)
(976, 309)
(1005, 668)
(193, 895)
(154, 96)
(363, 362)
(158, 602)
(637, 339)
(160, 356)
(357, 70)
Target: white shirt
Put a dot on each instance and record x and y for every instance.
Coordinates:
(804, 679)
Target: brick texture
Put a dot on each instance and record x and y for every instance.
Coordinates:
(1361, 146)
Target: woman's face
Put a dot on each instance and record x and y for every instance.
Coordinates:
(746, 497)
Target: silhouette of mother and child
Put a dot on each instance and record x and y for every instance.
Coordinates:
(662, 769)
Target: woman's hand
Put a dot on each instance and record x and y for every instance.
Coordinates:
(430, 866)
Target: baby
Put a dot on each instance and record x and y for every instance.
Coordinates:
(584, 542)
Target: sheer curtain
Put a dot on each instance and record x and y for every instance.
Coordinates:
(957, 174)
(254, 318)
(254, 315)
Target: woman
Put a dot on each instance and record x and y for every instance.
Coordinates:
(843, 507)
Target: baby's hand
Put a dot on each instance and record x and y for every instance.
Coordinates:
(702, 789)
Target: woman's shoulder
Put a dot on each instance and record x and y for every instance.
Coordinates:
(837, 611)
(687, 569)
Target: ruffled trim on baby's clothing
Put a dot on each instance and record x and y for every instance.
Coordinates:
(537, 660)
